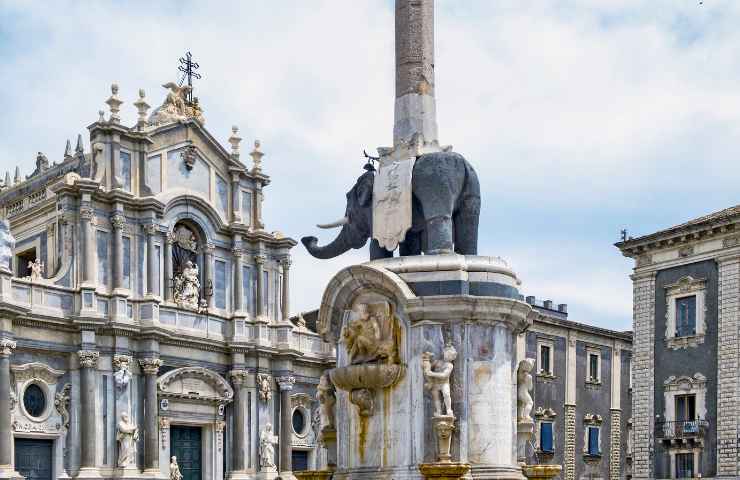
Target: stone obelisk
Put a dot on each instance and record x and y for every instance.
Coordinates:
(415, 109)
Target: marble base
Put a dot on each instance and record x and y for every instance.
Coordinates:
(313, 475)
(491, 472)
(265, 475)
(242, 475)
(524, 432)
(89, 472)
(541, 472)
(156, 474)
(444, 471)
(126, 473)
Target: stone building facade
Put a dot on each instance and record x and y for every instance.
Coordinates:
(582, 396)
(686, 284)
(145, 310)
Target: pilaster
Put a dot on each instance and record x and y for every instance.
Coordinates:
(570, 443)
(6, 431)
(286, 386)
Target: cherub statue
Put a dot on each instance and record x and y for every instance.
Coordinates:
(327, 399)
(524, 400)
(267, 448)
(361, 335)
(175, 469)
(128, 435)
(437, 376)
(37, 269)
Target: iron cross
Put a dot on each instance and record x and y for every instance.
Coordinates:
(188, 67)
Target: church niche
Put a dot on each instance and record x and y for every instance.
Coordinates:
(187, 262)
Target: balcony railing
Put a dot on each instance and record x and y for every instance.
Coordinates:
(681, 429)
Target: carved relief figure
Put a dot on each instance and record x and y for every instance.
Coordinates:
(325, 394)
(128, 435)
(437, 375)
(524, 400)
(369, 334)
(123, 374)
(265, 388)
(175, 469)
(37, 269)
(187, 287)
(175, 106)
(267, 448)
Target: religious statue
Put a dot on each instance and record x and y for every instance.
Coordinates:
(37, 269)
(187, 287)
(368, 335)
(524, 400)
(175, 469)
(176, 107)
(265, 389)
(437, 375)
(123, 375)
(325, 394)
(128, 435)
(267, 448)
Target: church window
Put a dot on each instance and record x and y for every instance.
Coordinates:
(247, 207)
(546, 437)
(593, 441)
(248, 289)
(24, 259)
(154, 173)
(220, 284)
(34, 400)
(103, 263)
(126, 262)
(684, 465)
(124, 171)
(686, 316)
(222, 194)
(593, 367)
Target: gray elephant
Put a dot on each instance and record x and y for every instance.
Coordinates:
(445, 211)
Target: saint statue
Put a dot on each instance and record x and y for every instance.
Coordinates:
(128, 435)
(267, 448)
(175, 469)
(437, 375)
(187, 286)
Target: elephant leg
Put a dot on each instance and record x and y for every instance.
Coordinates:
(466, 226)
(376, 251)
(411, 245)
(439, 235)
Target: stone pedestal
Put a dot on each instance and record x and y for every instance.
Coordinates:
(444, 471)
(313, 475)
(541, 472)
(384, 413)
(127, 473)
(524, 432)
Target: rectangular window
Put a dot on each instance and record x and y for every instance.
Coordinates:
(686, 316)
(545, 366)
(248, 287)
(546, 440)
(222, 194)
(126, 262)
(154, 173)
(685, 408)
(24, 259)
(593, 441)
(265, 293)
(278, 288)
(684, 465)
(103, 264)
(247, 207)
(593, 366)
(220, 284)
(124, 171)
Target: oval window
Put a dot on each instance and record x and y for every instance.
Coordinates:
(299, 421)
(34, 400)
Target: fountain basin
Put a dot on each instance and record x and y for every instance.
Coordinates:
(366, 376)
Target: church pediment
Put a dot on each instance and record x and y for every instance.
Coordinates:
(196, 383)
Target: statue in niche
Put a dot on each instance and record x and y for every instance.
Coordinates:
(128, 435)
(175, 469)
(326, 396)
(525, 384)
(268, 440)
(437, 375)
(187, 287)
(369, 334)
(37, 269)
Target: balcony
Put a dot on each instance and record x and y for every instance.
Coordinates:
(681, 431)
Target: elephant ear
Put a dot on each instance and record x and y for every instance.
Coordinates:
(365, 189)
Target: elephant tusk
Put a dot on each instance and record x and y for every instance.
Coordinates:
(338, 223)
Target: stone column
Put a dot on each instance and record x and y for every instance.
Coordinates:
(208, 270)
(237, 253)
(151, 259)
(168, 270)
(150, 366)
(88, 419)
(86, 215)
(258, 225)
(286, 432)
(236, 212)
(259, 261)
(285, 262)
(118, 221)
(6, 429)
(240, 450)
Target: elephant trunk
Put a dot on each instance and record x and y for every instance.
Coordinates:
(337, 247)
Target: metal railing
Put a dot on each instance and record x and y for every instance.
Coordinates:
(681, 429)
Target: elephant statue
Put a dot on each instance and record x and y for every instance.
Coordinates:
(445, 211)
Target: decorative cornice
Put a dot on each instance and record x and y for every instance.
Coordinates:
(88, 358)
(150, 365)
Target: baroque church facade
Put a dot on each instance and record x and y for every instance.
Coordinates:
(145, 315)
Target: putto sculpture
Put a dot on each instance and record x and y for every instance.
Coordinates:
(437, 375)
(326, 396)
(524, 386)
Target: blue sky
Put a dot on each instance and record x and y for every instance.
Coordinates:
(581, 117)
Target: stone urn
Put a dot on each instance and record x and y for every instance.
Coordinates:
(444, 471)
(313, 475)
(541, 472)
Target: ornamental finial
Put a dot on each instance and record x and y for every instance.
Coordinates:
(114, 103)
(257, 155)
